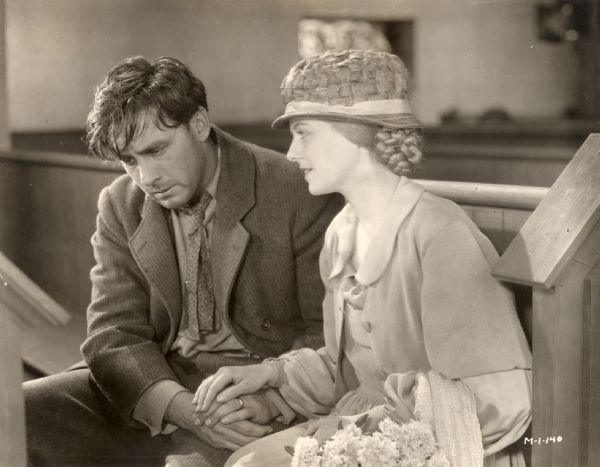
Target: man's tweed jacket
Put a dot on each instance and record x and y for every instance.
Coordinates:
(265, 242)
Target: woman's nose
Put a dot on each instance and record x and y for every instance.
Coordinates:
(293, 154)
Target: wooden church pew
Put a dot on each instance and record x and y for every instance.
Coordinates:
(22, 305)
(557, 253)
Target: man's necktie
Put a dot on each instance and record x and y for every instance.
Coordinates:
(200, 302)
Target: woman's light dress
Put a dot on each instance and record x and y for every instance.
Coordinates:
(423, 298)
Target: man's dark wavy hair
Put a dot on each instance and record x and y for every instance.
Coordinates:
(164, 90)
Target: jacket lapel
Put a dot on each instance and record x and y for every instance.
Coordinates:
(235, 197)
(153, 248)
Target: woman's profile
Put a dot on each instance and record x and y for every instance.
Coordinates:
(409, 294)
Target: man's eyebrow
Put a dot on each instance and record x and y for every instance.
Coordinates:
(144, 150)
(151, 147)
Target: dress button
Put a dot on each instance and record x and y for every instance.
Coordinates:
(265, 325)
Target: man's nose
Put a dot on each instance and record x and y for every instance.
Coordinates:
(148, 173)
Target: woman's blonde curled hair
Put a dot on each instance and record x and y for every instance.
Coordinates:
(399, 150)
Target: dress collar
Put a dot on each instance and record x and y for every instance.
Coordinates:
(380, 251)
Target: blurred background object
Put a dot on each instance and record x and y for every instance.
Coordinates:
(577, 22)
(316, 36)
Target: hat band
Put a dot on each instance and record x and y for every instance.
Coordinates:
(376, 107)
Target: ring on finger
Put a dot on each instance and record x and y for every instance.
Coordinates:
(241, 402)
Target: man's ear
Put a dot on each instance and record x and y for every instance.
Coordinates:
(200, 125)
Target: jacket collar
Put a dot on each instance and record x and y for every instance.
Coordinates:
(235, 190)
(235, 198)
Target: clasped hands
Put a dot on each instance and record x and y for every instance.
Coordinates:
(228, 388)
(230, 409)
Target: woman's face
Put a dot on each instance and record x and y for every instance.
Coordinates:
(327, 158)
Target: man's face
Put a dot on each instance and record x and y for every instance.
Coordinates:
(172, 165)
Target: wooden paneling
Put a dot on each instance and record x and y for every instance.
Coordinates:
(4, 135)
(566, 367)
(591, 366)
(25, 300)
(22, 304)
(12, 416)
(517, 171)
(499, 224)
(46, 222)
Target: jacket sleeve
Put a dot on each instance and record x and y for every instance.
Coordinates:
(311, 222)
(120, 349)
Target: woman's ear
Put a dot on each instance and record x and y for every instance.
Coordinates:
(200, 125)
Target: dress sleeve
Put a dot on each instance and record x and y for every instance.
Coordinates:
(470, 324)
(503, 406)
(309, 375)
(473, 418)
(472, 332)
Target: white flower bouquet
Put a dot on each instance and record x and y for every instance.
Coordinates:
(410, 444)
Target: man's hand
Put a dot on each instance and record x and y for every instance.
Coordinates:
(232, 436)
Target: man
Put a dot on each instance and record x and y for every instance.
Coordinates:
(206, 255)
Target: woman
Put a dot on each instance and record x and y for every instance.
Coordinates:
(407, 275)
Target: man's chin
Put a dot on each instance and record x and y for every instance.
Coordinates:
(169, 200)
(169, 203)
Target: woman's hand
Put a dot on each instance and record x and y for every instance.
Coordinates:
(324, 428)
(240, 379)
(256, 407)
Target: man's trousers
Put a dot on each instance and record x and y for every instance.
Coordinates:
(69, 422)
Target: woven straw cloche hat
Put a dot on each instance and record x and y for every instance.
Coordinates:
(349, 85)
